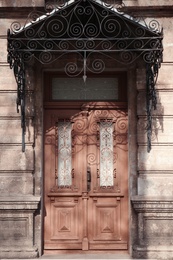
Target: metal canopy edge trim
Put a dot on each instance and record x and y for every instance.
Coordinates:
(87, 28)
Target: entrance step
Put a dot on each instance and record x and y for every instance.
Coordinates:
(86, 256)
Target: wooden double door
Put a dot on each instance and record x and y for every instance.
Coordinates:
(85, 176)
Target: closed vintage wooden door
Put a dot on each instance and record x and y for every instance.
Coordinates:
(85, 176)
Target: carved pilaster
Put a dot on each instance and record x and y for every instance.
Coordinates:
(16, 227)
(155, 227)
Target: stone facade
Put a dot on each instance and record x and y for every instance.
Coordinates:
(150, 174)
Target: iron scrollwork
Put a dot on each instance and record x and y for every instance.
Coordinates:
(95, 31)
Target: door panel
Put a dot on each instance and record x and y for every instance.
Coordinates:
(86, 184)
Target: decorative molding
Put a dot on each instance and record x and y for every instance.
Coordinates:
(152, 204)
(19, 203)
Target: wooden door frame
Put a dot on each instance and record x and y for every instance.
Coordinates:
(131, 93)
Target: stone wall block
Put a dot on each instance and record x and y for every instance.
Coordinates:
(7, 79)
(16, 183)
(157, 159)
(8, 104)
(167, 25)
(16, 227)
(164, 105)
(11, 132)
(162, 130)
(164, 80)
(13, 159)
(3, 50)
(147, 3)
(155, 184)
(19, 3)
(6, 23)
(141, 78)
(155, 227)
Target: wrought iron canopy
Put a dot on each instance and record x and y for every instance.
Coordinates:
(93, 30)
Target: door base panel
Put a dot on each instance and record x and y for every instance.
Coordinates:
(107, 246)
(103, 254)
(61, 246)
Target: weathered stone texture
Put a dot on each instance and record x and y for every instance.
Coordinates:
(164, 80)
(10, 131)
(167, 25)
(160, 184)
(162, 130)
(147, 3)
(16, 227)
(16, 183)
(151, 174)
(155, 224)
(13, 159)
(19, 3)
(6, 24)
(3, 50)
(8, 81)
(159, 158)
(164, 103)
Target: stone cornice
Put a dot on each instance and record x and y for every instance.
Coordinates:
(17, 12)
(136, 11)
(149, 11)
(152, 204)
(19, 203)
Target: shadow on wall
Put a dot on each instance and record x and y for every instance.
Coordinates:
(157, 120)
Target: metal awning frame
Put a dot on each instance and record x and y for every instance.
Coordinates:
(89, 29)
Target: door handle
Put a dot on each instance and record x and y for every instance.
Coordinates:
(88, 178)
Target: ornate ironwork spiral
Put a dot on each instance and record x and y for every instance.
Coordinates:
(48, 45)
(106, 45)
(121, 139)
(98, 66)
(154, 43)
(32, 44)
(80, 44)
(17, 44)
(90, 44)
(56, 27)
(91, 158)
(80, 10)
(148, 56)
(71, 69)
(76, 30)
(45, 57)
(111, 27)
(80, 125)
(122, 125)
(97, 113)
(127, 57)
(15, 27)
(30, 33)
(56, 4)
(42, 34)
(154, 26)
(89, 10)
(93, 127)
(105, 113)
(138, 44)
(105, 12)
(26, 56)
(34, 16)
(126, 33)
(121, 44)
(63, 45)
(49, 6)
(139, 31)
(91, 30)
